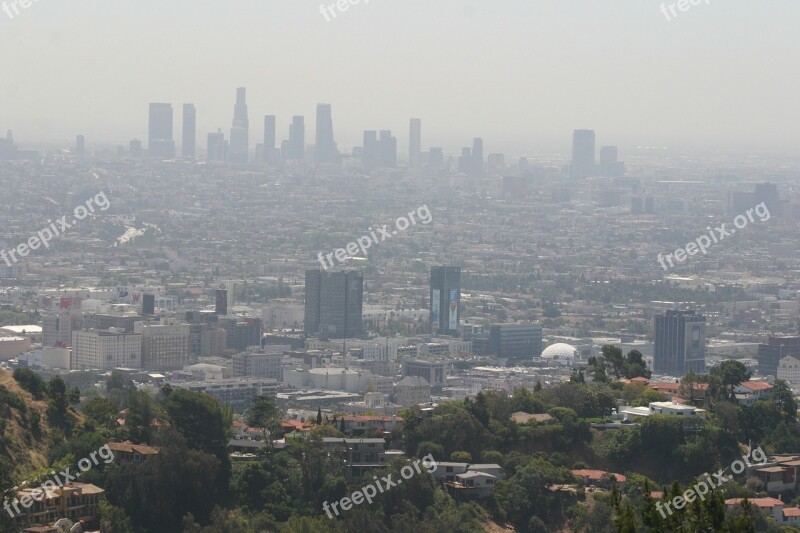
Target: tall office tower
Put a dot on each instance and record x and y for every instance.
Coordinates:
(221, 307)
(334, 303)
(415, 144)
(188, 148)
(80, 145)
(583, 148)
(388, 149)
(445, 297)
(295, 147)
(680, 343)
(515, 341)
(160, 142)
(610, 166)
(240, 131)
(268, 151)
(371, 153)
(148, 304)
(135, 148)
(465, 162)
(776, 348)
(768, 193)
(436, 158)
(325, 150)
(477, 157)
(217, 149)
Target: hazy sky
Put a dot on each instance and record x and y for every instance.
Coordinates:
(522, 74)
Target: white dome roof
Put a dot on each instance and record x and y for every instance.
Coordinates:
(560, 351)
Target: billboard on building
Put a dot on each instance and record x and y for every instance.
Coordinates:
(453, 324)
(435, 306)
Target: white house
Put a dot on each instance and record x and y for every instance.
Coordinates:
(749, 392)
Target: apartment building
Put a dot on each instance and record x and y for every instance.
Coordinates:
(106, 350)
(165, 346)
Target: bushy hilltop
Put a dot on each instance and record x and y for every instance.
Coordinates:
(24, 430)
(34, 417)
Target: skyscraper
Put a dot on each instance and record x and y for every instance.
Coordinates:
(240, 131)
(135, 148)
(160, 142)
(680, 343)
(370, 155)
(610, 166)
(268, 153)
(217, 149)
(583, 149)
(771, 352)
(388, 149)
(465, 161)
(415, 143)
(188, 147)
(477, 157)
(325, 150)
(445, 298)
(295, 147)
(334, 303)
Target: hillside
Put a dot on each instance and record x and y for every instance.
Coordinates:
(21, 443)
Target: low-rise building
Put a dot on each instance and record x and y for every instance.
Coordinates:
(75, 501)
(411, 391)
(239, 392)
(748, 393)
(789, 370)
(128, 452)
(789, 516)
(359, 455)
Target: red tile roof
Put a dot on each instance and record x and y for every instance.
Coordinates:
(756, 385)
(758, 502)
(129, 447)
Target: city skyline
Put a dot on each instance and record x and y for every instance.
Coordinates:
(547, 86)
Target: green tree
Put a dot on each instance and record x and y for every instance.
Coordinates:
(729, 374)
(31, 382)
(59, 401)
(265, 414)
(635, 365)
(784, 400)
(141, 411)
(113, 519)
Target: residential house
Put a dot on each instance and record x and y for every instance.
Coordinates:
(749, 392)
(128, 452)
(369, 425)
(771, 507)
(75, 501)
(359, 455)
